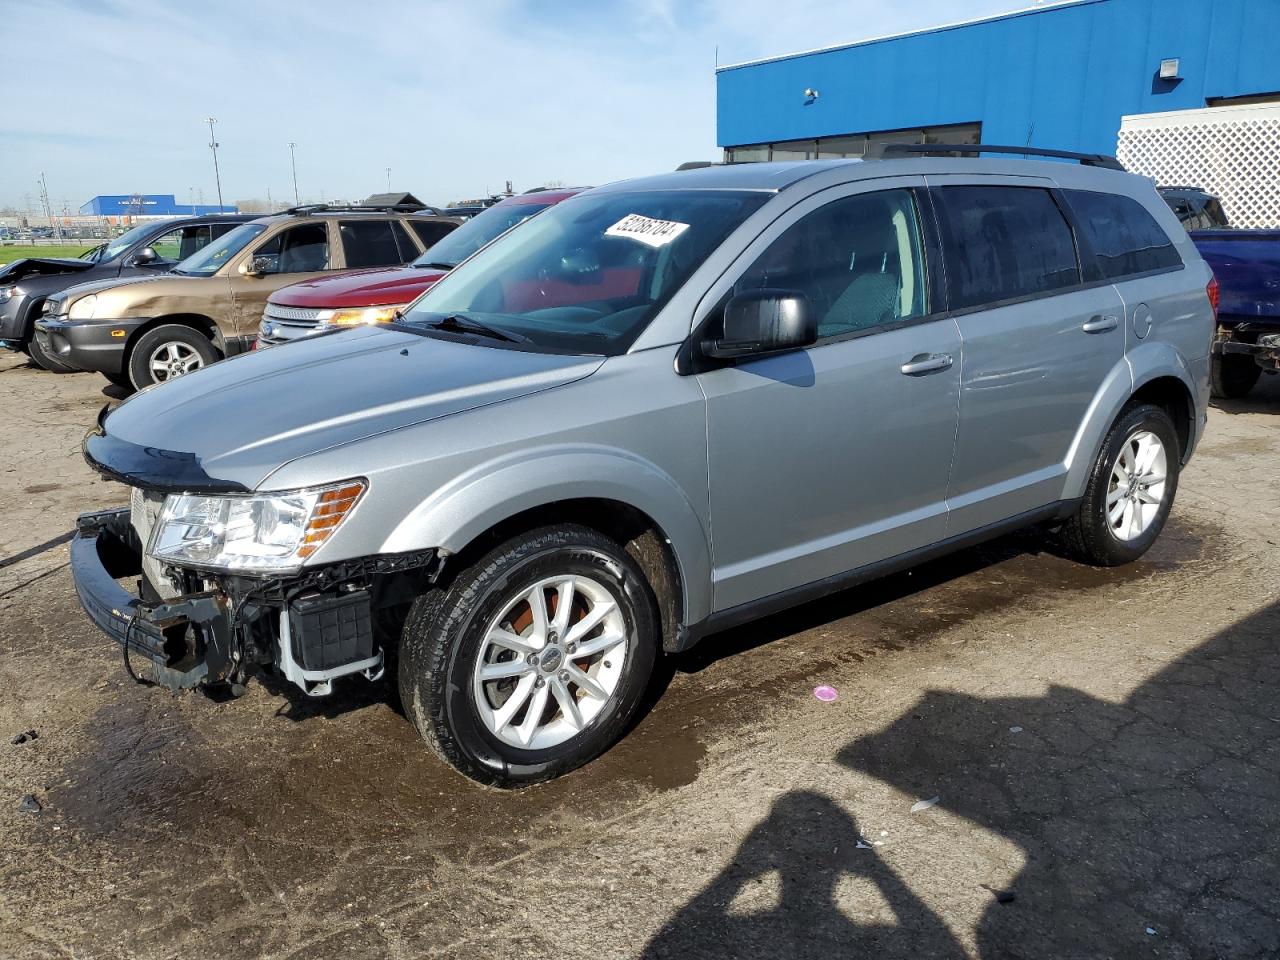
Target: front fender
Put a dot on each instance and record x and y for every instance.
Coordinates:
(458, 512)
(1141, 365)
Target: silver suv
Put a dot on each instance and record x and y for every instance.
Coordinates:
(660, 408)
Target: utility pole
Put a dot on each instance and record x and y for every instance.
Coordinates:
(48, 209)
(388, 179)
(191, 200)
(213, 145)
(271, 206)
(293, 161)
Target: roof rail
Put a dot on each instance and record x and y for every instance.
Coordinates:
(360, 208)
(876, 151)
(697, 164)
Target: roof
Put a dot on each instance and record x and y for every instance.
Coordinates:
(734, 176)
(941, 28)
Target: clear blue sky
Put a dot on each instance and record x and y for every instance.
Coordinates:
(456, 97)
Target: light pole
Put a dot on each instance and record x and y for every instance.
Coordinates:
(293, 161)
(213, 145)
(388, 179)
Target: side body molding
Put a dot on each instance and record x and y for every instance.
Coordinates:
(458, 512)
(1141, 365)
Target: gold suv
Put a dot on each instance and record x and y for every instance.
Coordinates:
(145, 330)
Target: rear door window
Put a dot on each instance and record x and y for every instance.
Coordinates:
(302, 249)
(1004, 243)
(1124, 235)
(370, 243)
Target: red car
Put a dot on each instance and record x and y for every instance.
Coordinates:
(373, 296)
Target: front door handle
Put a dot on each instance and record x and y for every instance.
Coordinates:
(1101, 324)
(927, 363)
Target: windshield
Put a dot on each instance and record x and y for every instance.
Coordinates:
(126, 240)
(589, 274)
(451, 250)
(207, 261)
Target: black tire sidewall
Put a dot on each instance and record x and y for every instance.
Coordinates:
(479, 595)
(1232, 376)
(136, 365)
(1146, 417)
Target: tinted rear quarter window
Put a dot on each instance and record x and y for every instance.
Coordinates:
(429, 231)
(1124, 235)
(1003, 243)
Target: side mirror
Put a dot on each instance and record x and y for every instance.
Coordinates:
(764, 321)
(145, 257)
(258, 266)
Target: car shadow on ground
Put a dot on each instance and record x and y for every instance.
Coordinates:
(1149, 826)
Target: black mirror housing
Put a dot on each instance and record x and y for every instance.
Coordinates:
(145, 256)
(764, 321)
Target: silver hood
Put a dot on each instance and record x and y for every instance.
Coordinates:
(241, 419)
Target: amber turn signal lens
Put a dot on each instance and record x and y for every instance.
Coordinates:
(332, 507)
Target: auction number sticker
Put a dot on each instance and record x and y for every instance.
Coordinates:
(655, 233)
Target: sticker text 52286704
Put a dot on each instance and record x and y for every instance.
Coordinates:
(654, 233)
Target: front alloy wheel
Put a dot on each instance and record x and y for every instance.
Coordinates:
(534, 659)
(550, 662)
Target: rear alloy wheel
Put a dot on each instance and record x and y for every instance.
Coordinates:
(168, 352)
(1130, 490)
(1232, 375)
(536, 658)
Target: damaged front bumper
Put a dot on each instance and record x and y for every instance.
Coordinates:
(312, 628)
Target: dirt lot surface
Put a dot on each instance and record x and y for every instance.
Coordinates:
(1104, 747)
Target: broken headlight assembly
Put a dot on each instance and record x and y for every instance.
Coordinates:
(253, 533)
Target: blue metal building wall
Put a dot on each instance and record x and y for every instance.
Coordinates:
(1059, 77)
(153, 205)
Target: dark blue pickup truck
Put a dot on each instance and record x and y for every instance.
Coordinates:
(1246, 264)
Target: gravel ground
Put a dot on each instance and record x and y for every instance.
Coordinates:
(1103, 747)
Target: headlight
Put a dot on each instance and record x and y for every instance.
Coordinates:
(261, 532)
(7, 292)
(359, 317)
(83, 308)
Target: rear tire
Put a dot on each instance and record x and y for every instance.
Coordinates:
(1130, 491)
(167, 352)
(1232, 375)
(509, 695)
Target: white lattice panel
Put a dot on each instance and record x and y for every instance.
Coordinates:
(1233, 152)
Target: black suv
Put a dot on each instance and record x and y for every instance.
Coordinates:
(154, 246)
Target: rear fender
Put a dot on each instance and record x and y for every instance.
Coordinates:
(1144, 363)
(460, 511)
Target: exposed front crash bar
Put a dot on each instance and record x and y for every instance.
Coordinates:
(185, 639)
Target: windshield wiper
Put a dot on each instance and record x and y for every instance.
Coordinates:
(434, 265)
(461, 323)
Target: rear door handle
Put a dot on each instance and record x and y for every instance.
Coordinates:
(1101, 324)
(927, 363)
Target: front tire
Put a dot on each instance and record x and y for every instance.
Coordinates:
(167, 352)
(1130, 490)
(534, 660)
(1232, 375)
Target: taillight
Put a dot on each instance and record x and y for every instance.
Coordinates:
(1214, 297)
